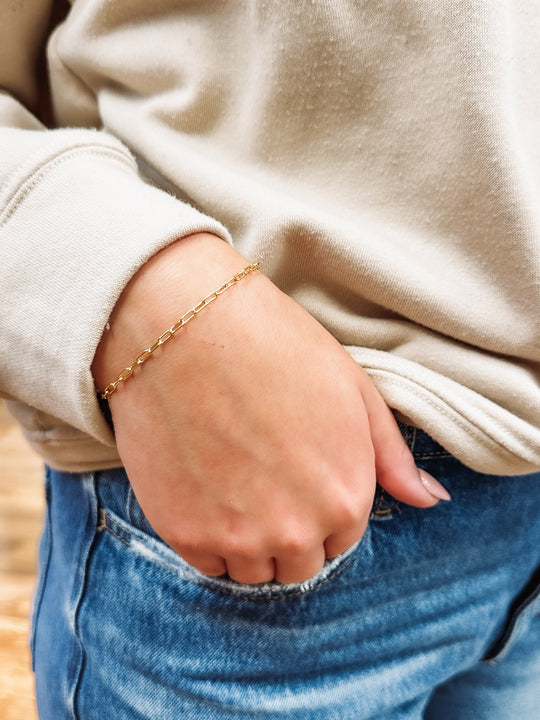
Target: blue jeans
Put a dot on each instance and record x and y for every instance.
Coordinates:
(434, 614)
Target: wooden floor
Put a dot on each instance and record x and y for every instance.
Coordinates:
(21, 507)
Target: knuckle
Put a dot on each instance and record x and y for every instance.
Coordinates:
(295, 541)
(246, 550)
(349, 511)
(352, 514)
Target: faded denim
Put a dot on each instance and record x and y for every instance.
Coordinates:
(434, 614)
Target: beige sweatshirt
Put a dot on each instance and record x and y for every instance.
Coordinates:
(381, 158)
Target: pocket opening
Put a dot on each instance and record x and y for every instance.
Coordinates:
(516, 613)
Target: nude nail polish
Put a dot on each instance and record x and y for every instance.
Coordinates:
(433, 486)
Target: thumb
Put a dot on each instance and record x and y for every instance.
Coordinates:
(394, 464)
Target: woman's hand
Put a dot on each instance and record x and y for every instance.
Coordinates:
(252, 440)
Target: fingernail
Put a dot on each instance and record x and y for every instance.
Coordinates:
(433, 486)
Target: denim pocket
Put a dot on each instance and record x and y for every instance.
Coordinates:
(525, 605)
(156, 551)
(121, 515)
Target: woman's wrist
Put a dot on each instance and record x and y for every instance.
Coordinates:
(171, 282)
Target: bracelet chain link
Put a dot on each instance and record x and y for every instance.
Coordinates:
(168, 334)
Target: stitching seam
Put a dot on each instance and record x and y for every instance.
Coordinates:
(443, 407)
(35, 178)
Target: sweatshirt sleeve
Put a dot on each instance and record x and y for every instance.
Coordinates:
(76, 222)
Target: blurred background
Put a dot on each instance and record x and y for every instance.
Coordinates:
(21, 509)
